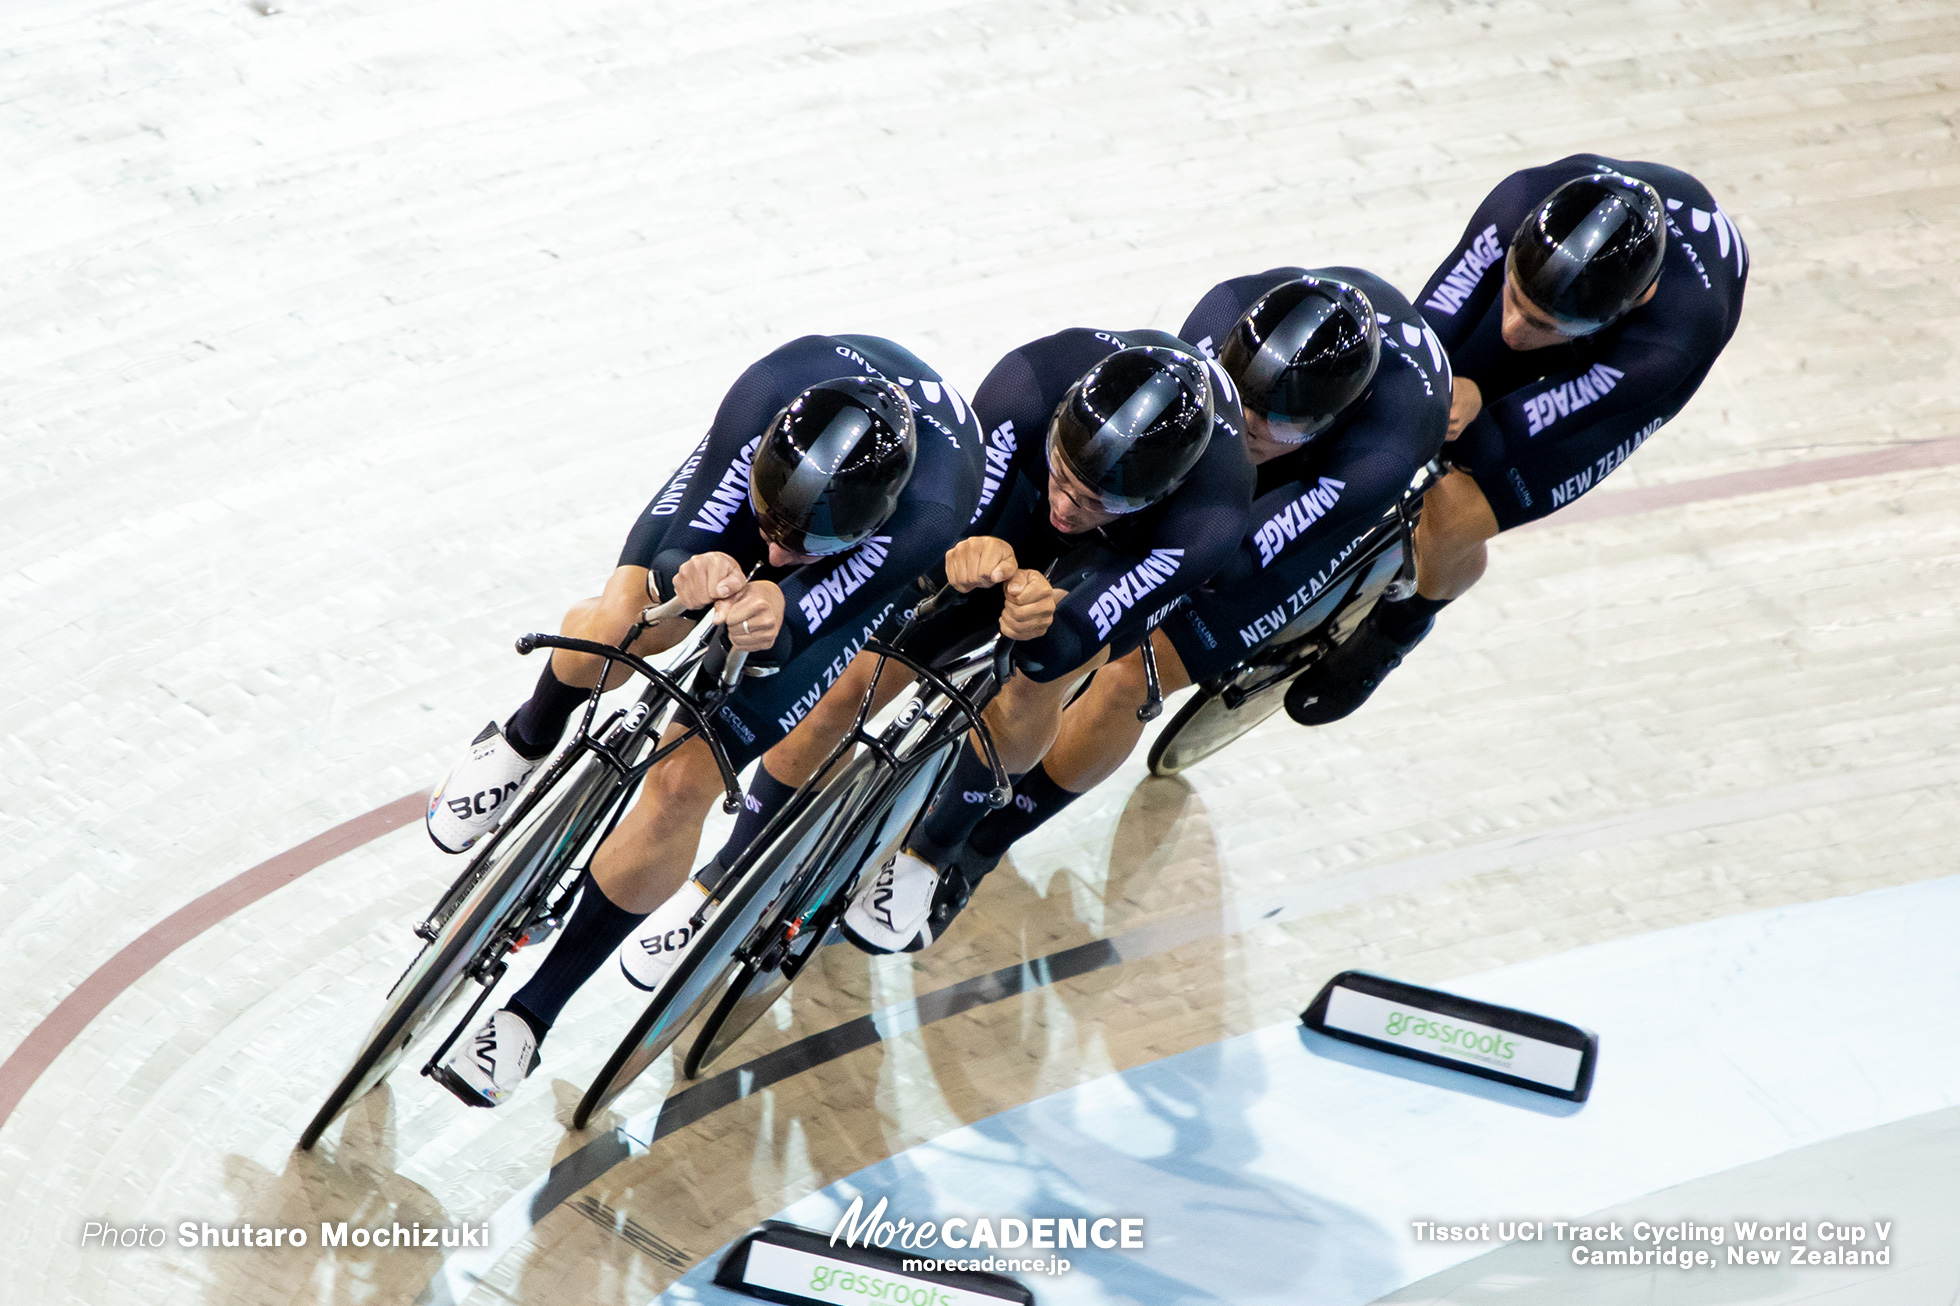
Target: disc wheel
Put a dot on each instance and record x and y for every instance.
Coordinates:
(709, 966)
(1208, 723)
(538, 843)
(872, 834)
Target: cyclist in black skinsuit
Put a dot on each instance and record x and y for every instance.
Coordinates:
(1582, 309)
(1376, 386)
(837, 470)
(1115, 463)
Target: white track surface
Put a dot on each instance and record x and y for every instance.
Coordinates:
(344, 340)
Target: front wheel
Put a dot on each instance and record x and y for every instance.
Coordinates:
(539, 843)
(714, 962)
(873, 821)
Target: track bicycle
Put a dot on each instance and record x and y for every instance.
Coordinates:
(1382, 565)
(767, 915)
(518, 887)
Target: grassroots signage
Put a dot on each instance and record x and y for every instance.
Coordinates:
(1480, 1038)
(783, 1263)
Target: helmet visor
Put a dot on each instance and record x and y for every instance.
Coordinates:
(1542, 293)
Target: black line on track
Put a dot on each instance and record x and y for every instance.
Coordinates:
(696, 1103)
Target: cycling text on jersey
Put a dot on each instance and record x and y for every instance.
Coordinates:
(1460, 282)
(1568, 397)
(1295, 517)
(858, 566)
(1112, 603)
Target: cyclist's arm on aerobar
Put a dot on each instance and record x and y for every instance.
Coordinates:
(1471, 276)
(1010, 409)
(1619, 387)
(851, 587)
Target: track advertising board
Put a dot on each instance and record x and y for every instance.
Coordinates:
(781, 1262)
(1479, 1038)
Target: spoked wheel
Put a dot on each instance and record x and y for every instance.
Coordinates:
(1218, 714)
(537, 845)
(873, 831)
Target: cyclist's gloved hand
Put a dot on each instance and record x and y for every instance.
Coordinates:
(753, 616)
(980, 562)
(707, 577)
(1030, 606)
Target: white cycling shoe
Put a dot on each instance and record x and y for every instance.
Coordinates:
(892, 908)
(651, 952)
(486, 1067)
(466, 806)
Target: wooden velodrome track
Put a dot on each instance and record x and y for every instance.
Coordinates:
(345, 340)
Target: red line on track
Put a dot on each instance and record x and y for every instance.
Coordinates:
(1761, 480)
(48, 1039)
(39, 1049)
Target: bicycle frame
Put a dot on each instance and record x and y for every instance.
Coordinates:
(772, 891)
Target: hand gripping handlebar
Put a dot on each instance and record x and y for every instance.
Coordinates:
(942, 600)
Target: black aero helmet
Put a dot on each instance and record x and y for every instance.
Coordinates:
(1305, 351)
(832, 464)
(1134, 426)
(1590, 250)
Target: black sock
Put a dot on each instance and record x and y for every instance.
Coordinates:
(764, 799)
(596, 929)
(1407, 620)
(533, 729)
(956, 809)
(1036, 799)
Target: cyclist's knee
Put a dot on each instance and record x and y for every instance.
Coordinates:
(1023, 699)
(1122, 685)
(687, 782)
(607, 616)
(1456, 518)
